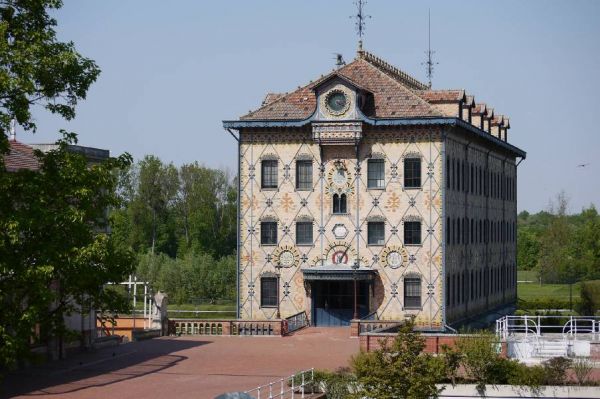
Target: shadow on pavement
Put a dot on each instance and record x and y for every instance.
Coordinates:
(96, 369)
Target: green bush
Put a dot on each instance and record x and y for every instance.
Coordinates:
(555, 370)
(545, 303)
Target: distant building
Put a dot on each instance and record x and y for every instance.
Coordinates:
(368, 176)
(22, 156)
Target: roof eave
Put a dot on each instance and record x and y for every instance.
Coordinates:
(448, 121)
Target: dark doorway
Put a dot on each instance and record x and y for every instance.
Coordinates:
(333, 302)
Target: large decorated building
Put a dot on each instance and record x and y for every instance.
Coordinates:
(367, 194)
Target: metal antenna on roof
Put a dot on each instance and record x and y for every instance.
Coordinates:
(360, 21)
(13, 130)
(429, 64)
(339, 60)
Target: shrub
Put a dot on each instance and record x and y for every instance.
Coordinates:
(337, 385)
(582, 368)
(399, 369)
(556, 370)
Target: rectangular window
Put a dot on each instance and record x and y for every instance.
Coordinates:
(375, 173)
(304, 233)
(268, 233)
(412, 233)
(304, 175)
(268, 292)
(412, 173)
(376, 233)
(269, 173)
(412, 293)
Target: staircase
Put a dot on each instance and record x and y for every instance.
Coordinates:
(549, 349)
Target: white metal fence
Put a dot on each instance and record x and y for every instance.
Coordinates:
(294, 386)
(537, 326)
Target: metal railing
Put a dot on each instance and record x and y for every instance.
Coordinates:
(296, 322)
(536, 326)
(287, 387)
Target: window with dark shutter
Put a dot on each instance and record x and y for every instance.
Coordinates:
(304, 175)
(376, 233)
(304, 233)
(268, 233)
(412, 293)
(412, 172)
(268, 292)
(412, 233)
(269, 173)
(375, 173)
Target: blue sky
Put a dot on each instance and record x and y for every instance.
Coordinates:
(171, 71)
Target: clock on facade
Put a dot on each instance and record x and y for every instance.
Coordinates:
(337, 102)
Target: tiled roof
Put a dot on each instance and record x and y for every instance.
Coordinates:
(439, 96)
(270, 97)
(20, 156)
(394, 93)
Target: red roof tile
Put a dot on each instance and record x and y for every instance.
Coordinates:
(440, 96)
(393, 92)
(20, 156)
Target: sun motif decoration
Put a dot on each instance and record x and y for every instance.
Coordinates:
(286, 256)
(338, 179)
(394, 257)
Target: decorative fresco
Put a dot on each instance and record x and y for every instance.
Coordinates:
(341, 239)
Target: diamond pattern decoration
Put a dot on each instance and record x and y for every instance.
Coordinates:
(394, 291)
(394, 202)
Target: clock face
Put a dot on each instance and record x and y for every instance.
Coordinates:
(286, 258)
(336, 101)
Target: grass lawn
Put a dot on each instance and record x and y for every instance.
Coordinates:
(529, 291)
(527, 275)
(227, 309)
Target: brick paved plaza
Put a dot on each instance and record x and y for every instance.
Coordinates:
(184, 367)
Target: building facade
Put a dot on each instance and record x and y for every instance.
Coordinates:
(367, 194)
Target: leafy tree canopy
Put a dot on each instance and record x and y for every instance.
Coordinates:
(55, 253)
(36, 68)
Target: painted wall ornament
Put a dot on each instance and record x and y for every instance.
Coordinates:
(338, 179)
(394, 257)
(340, 231)
(286, 256)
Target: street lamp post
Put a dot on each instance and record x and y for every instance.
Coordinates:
(278, 268)
(354, 269)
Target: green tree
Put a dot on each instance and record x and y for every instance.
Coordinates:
(399, 369)
(555, 265)
(36, 68)
(55, 253)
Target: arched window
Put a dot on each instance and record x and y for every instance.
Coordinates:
(339, 203)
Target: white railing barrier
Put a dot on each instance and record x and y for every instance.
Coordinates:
(536, 326)
(284, 391)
